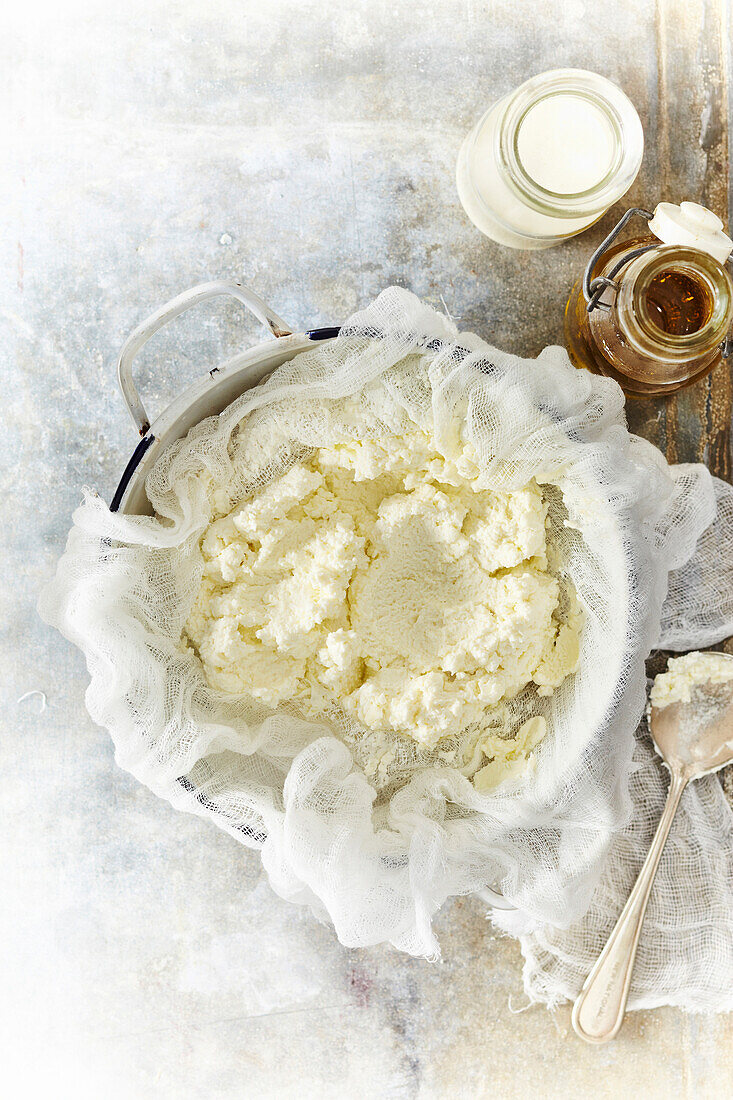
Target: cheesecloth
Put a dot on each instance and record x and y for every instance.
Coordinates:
(648, 549)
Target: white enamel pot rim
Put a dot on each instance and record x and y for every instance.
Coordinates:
(206, 397)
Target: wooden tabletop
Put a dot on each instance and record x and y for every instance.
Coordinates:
(692, 139)
(691, 136)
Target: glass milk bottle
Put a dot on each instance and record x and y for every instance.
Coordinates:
(549, 159)
(655, 312)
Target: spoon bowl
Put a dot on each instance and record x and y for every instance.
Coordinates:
(696, 737)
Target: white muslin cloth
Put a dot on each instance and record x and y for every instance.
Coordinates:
(649, 549)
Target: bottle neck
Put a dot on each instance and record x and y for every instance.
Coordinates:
(602, 150)
(674, 304)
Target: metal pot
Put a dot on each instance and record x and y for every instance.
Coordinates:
(209, 396)
(206, 397)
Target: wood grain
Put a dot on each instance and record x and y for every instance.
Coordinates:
(692, 148)
(694, 97)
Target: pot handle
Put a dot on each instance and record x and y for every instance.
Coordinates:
(166, 313)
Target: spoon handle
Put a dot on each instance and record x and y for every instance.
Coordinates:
(599, 1010)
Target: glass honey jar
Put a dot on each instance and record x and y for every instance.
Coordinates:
(655, 312)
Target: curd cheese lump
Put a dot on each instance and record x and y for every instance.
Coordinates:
(387, 579)
(684, 673)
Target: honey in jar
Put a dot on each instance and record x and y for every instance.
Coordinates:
(655, 314)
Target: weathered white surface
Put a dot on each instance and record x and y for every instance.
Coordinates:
(306, 149)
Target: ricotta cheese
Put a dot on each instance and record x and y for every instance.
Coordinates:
(387, 579)
(683, 673)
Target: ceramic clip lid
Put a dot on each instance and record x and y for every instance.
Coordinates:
(692, 225)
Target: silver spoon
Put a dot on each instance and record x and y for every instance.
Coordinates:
(693, 739)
